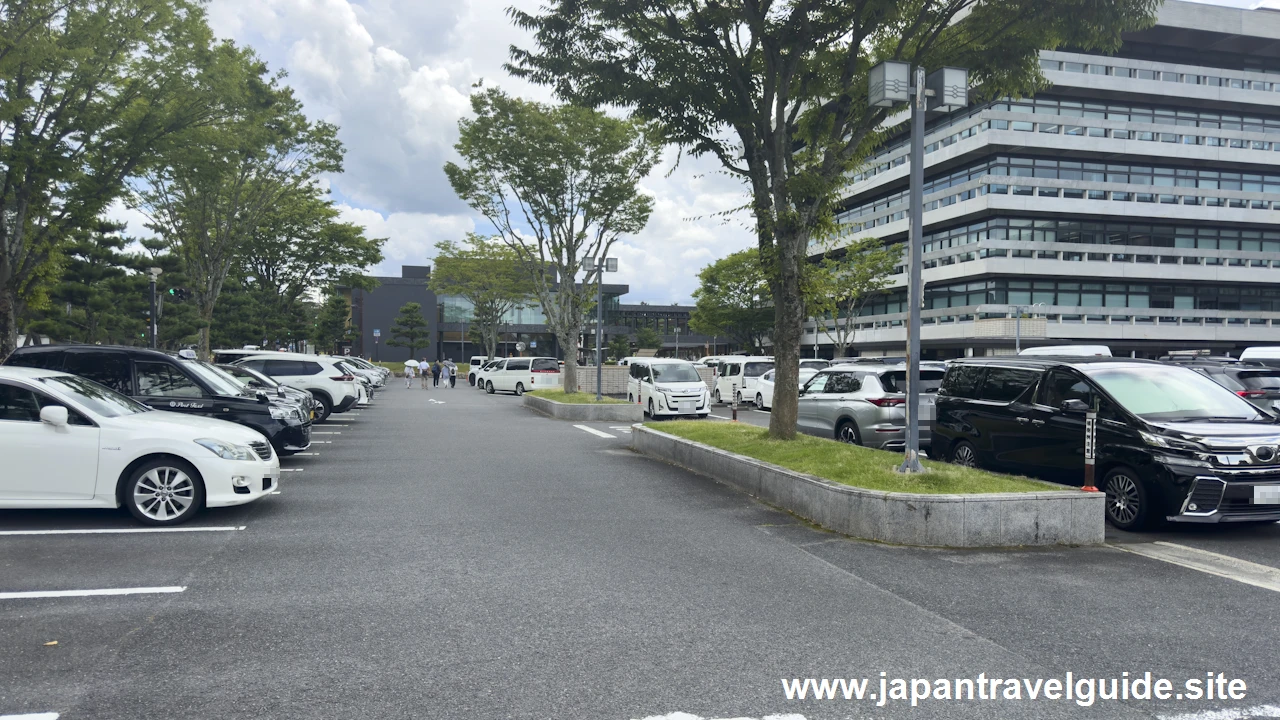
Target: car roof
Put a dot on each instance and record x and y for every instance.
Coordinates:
(1047, 361)
(138, 351)
(26, 373)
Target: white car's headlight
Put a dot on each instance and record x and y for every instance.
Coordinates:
(664, 389)
(227, 451)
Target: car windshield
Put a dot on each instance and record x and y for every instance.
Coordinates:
(1171, 394)
(218, 381)
(244, 374)
(100, 399)
(756, 369)
(675, 372)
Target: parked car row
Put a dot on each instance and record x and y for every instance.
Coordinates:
(516, 375)
(161, 434)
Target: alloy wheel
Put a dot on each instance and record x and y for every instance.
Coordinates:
(1123, 501)
(164, 493)
(965, 456)
(848, 433)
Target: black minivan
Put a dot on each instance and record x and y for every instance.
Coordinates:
(176, 384)
(1171, 443)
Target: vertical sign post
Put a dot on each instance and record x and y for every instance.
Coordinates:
(1090, 447)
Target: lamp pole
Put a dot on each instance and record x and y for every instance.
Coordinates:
(155, 327)
(677, 342)
(1017, 325)
(600, 266)
(890, 83)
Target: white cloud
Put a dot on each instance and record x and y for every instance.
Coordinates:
(396, 75)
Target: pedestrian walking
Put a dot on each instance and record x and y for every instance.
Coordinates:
(410, 367)
(453, 375)
(435, 373)
(424, 365)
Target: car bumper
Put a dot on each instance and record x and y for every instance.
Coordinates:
(346, 404)
(893, 437)
(219, 486)
(1212, 496)
(702, 405)
(295, 439)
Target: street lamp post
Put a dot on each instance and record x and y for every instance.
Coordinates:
(944, 90)
(600, 267)
(677, 342)
(1017, 325)
(155, 327)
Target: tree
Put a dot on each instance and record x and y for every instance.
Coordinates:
(209, 198)
(298, 245)
(410, 329)
(560, 184)
(488, 274)
(647, 339)
(844, 283)
(333, 323)
(619, 347)
(777, 91)
(91, 92)
(733, 300)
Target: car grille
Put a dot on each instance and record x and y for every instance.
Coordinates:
(1242, 506)
(1205, 495)
(262, 449)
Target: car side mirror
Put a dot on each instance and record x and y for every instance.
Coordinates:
(262, 397)
(1075, 407)
(55, 415)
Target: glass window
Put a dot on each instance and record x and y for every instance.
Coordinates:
(98, 398)
(675, 372)
(816, 384)
(18, 404)
(1162, 393)
(842, 383)
(518, 364)
(961, 381)
(165, 380)
(756, 369)
(105, 368)
(1007, 384)
(1061, 386)
(896, 381)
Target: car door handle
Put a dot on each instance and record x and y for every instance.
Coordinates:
(1037, 423)
(1023, 421)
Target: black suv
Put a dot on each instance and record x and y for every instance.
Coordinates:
(1171, 442)
(176, 384)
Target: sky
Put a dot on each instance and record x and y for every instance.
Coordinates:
(395, 76)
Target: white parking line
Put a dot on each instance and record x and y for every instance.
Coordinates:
(31, 716)
(1212, 563)
(123, 531)
(335, 425)
(324, 432)
(596, 432)
(304, 454)
(87, 593)
(291, 469)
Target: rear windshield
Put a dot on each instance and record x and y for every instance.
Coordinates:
(546, 365)
(1260, 380)
(896, 381)
(756, 369)
(675, 372)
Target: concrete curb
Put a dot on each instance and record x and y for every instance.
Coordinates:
(990, 520)
(612, 412)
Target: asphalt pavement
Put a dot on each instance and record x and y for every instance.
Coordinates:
(450, 554)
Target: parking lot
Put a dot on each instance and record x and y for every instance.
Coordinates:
(448, 553)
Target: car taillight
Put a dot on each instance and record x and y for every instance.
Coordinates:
(1251, 393)
(887, 402)
(344, 378)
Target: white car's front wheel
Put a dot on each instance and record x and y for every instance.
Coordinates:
(167, 491)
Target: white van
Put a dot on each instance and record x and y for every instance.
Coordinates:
(474, 364)
(1069, 350)
(741, 372)
(667, 386)
(1268, 355)
(524, 373)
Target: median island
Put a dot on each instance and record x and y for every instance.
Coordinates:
(847, 464)
(577, 398)
(857, 491)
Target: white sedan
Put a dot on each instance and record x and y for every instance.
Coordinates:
(68, 442)
(764, 386)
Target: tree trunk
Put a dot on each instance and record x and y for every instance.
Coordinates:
(569, 346)
(8, 318)
(788, 325)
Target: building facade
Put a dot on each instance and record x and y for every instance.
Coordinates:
(1135, 203)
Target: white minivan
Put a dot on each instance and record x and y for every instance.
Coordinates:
(667, 386)
(740, 375)
(519, 374)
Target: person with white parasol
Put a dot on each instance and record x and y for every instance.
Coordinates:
(410, 367)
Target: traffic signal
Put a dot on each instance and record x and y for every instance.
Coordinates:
(179, 293)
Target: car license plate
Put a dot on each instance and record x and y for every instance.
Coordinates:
(1266, 494)
(686, 406)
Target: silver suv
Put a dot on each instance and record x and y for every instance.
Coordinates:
(866, 404)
